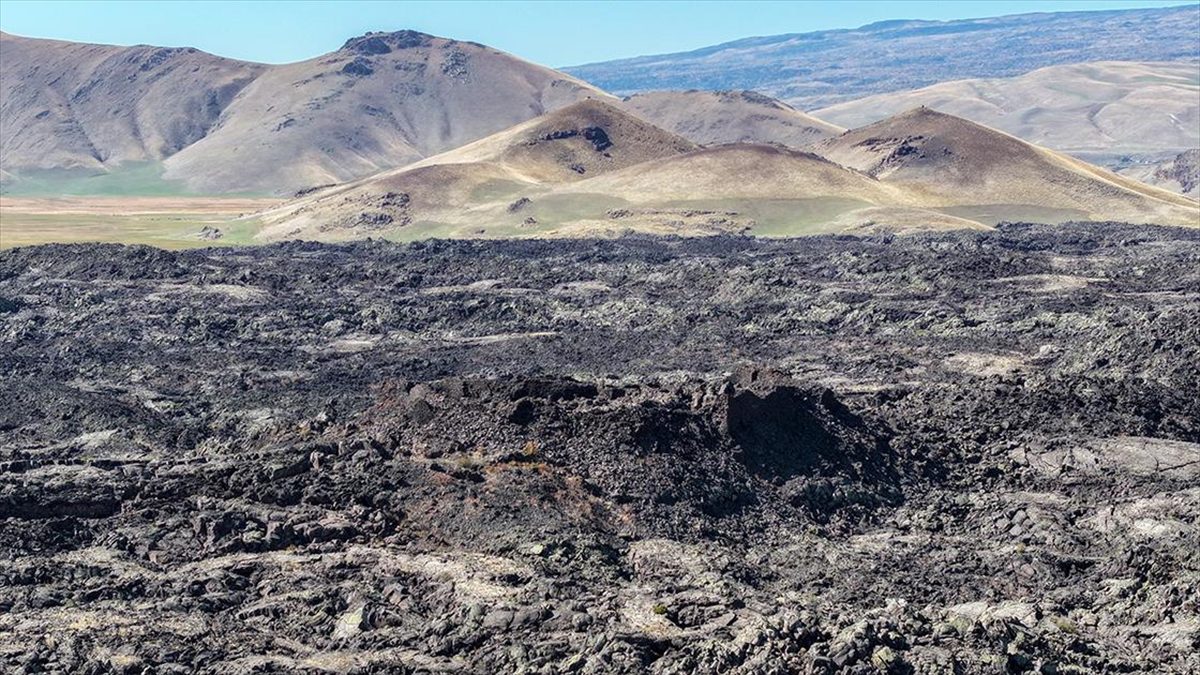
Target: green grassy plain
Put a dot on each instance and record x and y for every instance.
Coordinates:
(158, 221)
(142, 179)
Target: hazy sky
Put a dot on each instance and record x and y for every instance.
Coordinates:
(552, 33)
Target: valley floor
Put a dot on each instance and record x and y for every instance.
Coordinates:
(168, 222)
(970, 452)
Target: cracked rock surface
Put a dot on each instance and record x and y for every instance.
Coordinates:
(970, 452)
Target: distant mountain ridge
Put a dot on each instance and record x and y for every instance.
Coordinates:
(811, 70)
(1101, 111)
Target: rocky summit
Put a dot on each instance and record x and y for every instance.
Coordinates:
(968, 452)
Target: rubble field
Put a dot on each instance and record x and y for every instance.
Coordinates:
(966, 452)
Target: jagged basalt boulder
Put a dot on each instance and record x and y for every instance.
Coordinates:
(598, 136)
(824, 456)
(372, 44)
(369, 45)
(359, 67)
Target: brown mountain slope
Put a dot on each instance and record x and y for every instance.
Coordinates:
(1107, 108)
(65, 105)
(383, 100)
(969, 169)
(493, 174)
(714, 117)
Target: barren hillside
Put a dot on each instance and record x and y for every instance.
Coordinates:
(67, 105)
(491, 175)
(382, 100)
(948, 161)
(714, 117)
(210, 125)
(1099, 111)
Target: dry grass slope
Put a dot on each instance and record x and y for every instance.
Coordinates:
(738, 171)
(1110, 107)
(715, 117)
(946, 161)
(73, 106)
(593, 170)
(484, 180)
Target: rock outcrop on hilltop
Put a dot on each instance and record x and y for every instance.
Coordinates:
(375, 43)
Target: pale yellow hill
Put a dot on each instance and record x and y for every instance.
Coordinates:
(759, 189)
(738, 171)
(491, 188)
(590, 169)
(717, 117)
(971, 170)
(576, 142)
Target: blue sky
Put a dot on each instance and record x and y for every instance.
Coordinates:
(552, 33)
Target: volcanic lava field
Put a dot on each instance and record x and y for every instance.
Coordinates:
(970, 452)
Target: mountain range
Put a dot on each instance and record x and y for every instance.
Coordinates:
(819, 69)
(410, 135)
(383, 100)
(219, 125)
(1100, 110)
(593, 169)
